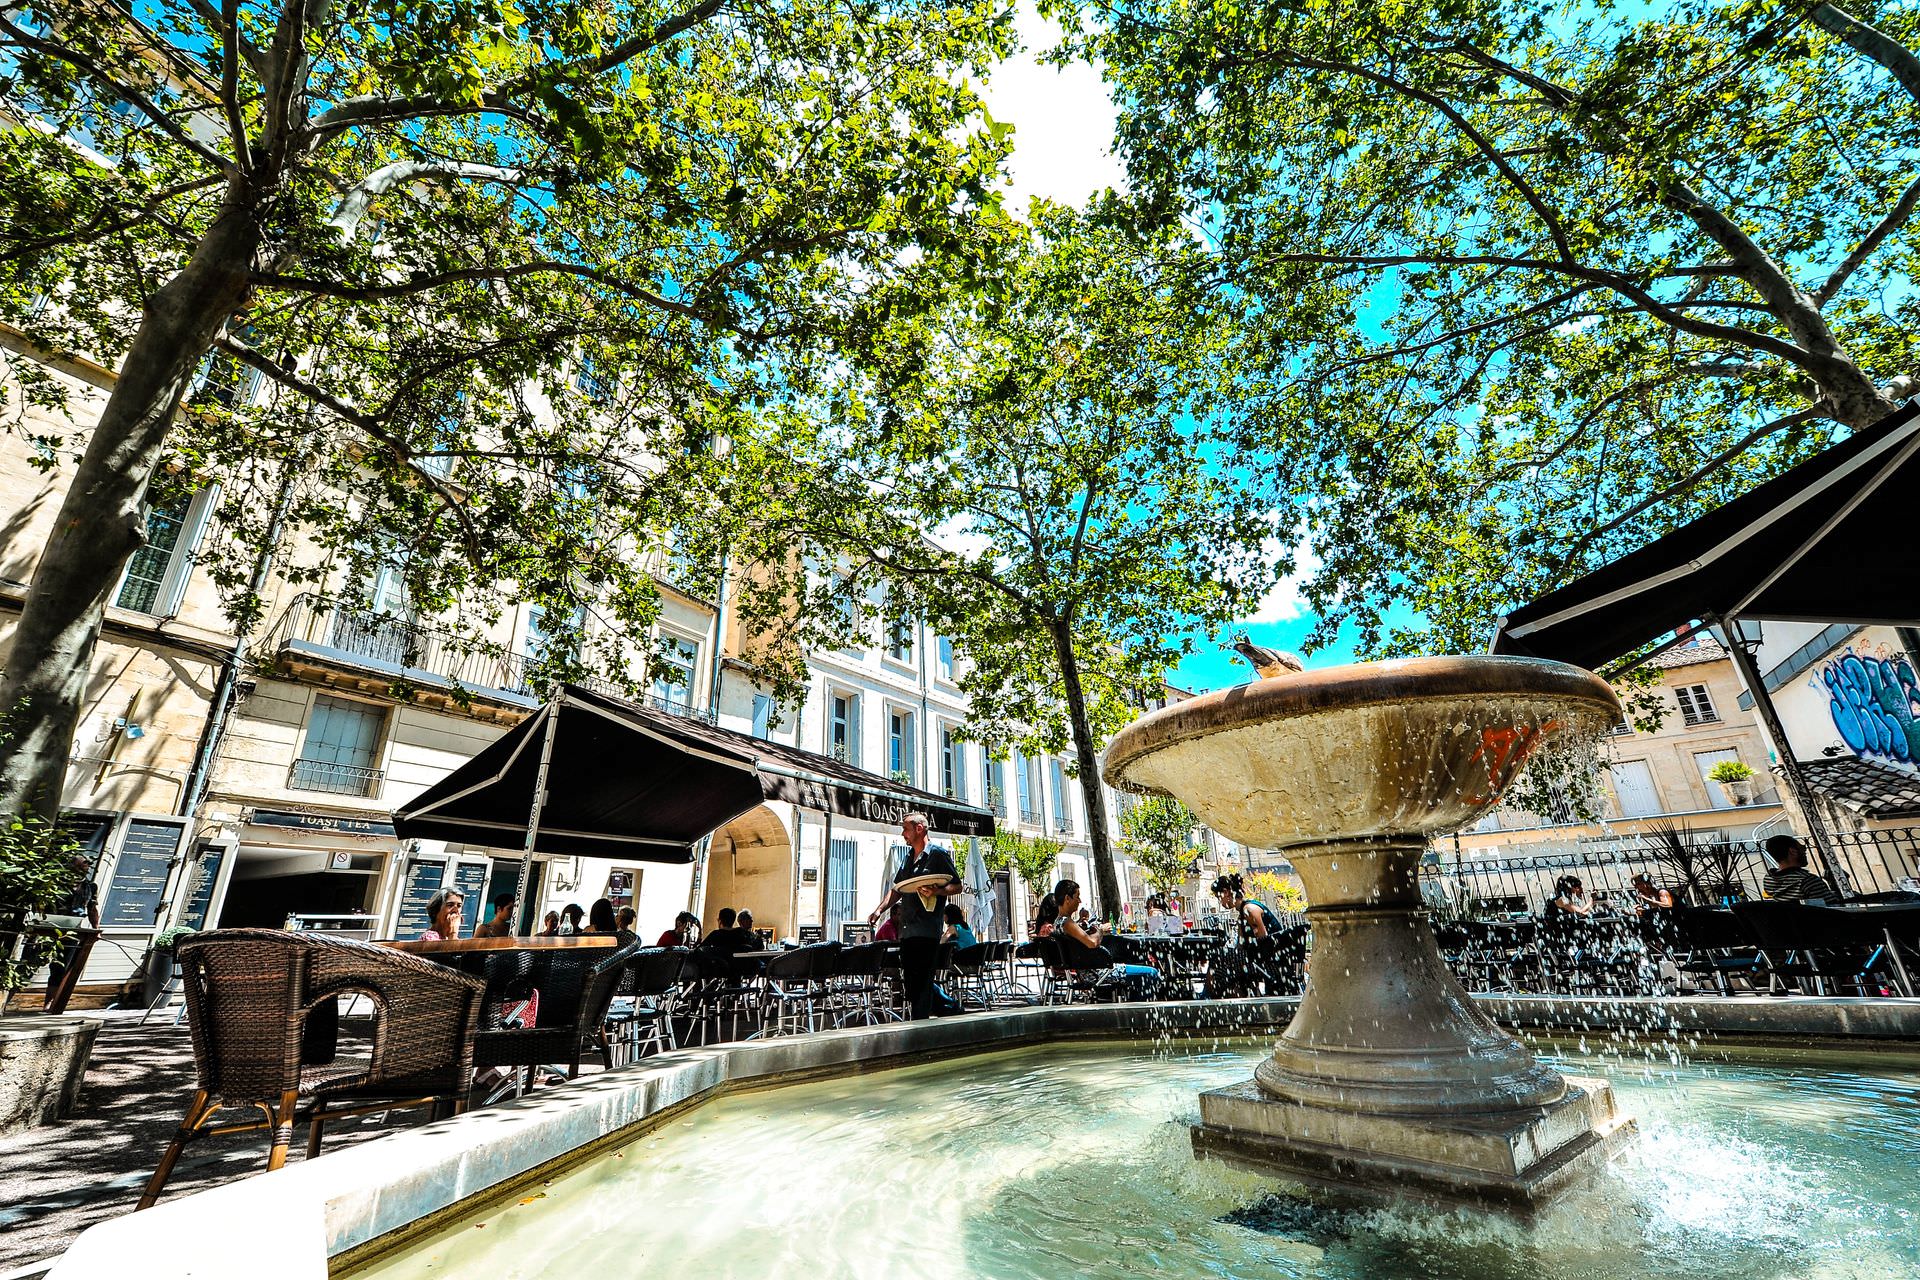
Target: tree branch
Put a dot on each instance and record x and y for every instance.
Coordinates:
(1896, 218)
(1687, 481)
(423, 284)
(360, 197)
(1871, 43)
(393, 445)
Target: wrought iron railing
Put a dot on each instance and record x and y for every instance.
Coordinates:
(339, 779)
(400, 646)
(1706, 873)
(1032, 817)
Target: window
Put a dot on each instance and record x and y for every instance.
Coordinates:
(1633, 785)
(1620, 728)
(623, 886)
(762, 716)
(1707, 761)
(673, 675)
(1696, 707)
(996, 771)
(1062, 812)
(343, 741)
(953, 765)
(899, 633)
(156, 576)
(544, 643)
(223, 380)
(843, 728)
(944, 648)
(846, 608)
(1028, 776)
(900, 745)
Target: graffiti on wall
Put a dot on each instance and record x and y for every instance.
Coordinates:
(1875, 704)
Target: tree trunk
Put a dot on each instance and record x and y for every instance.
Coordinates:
(1106, 875)
(101, 524)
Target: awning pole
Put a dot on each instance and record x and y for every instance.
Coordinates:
(1789, 766)
(539, 800)
(826, 862)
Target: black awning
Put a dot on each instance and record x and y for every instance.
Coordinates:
(635, 783)
(1830, 540)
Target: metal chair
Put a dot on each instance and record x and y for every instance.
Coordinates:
(262, 1009)
(641, 1017)
(798, 989)
(1825, 946)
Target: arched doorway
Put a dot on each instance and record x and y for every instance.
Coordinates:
(750, 866)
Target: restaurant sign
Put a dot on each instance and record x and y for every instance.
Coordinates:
(320, 822)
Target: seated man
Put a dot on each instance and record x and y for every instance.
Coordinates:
(500, 923)
(1790, 881)
(724, 936)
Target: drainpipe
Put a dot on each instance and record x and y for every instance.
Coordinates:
(719, 637)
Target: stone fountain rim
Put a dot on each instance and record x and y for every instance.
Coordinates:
(1349, 687)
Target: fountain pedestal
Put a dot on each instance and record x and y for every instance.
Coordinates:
(1388, 1076)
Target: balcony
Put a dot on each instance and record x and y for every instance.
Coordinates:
(326, 637)
(335, 779)
(1030, 817)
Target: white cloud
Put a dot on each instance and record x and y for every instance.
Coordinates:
(1286, 602)
(958, 535)
(1062, 120)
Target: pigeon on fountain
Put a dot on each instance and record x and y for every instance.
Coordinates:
(1268, 663)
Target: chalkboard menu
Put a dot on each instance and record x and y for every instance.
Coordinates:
(206, 874)
(422, 882)
(813, 933)
(470, 878)
(140, 874)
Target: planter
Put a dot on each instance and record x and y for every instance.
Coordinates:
(42, 1062)
(1741, 793)
(159, 974)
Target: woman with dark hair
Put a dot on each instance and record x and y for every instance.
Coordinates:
(570, 917)
(1569, 899)
(1252, 916)
(957, 931)
(600, 918)
(443, 916)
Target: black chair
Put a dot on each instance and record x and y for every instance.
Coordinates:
(968, 975)
(641, 1018)
(854, 994)
(1823, 945)
(798, 989)
(1715, 943)
(723, 991)
(576, 986)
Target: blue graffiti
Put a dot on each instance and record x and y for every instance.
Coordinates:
(1874, 703)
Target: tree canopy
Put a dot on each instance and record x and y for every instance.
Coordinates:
(1051, 473)
(1536, 281)
(1157, 832)
(507, 271)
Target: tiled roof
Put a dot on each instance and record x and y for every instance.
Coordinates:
(1876, 790)
(1705, 649)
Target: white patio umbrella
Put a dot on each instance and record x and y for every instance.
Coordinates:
(979, 884)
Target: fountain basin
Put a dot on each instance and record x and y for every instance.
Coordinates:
(1350, 771)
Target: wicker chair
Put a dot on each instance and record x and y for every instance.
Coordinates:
(261, 1004)
(576, 987)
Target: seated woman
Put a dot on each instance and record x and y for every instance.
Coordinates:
(1569, 899)
(1252, 964)
(601, 920)
(957, 931)
(443, 916)
(1142, 980)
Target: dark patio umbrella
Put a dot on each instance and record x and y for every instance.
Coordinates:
(635, 783)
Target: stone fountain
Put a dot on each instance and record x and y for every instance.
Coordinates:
(1388, 1076)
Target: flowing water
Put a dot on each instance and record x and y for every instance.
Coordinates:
(1070, 1162)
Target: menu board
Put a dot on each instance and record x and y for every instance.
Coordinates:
(423, 881)
(140, 874)
(470, 878)
(206, 874)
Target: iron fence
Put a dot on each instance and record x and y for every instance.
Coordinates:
(1697, 872)
(338, 779)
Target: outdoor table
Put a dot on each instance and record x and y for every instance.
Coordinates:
(461, 946)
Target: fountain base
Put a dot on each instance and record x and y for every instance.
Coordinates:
(1515, 1159)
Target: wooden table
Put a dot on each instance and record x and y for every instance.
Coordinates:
(463, 946)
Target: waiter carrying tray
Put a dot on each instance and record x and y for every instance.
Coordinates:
(923, 884)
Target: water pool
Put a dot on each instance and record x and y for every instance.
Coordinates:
(1074, 1161)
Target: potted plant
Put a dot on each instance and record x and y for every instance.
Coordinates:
(160, 959)
(39, 867)
(1736, 779)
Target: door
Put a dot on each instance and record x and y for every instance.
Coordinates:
(841, 856)
(1633, 784)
